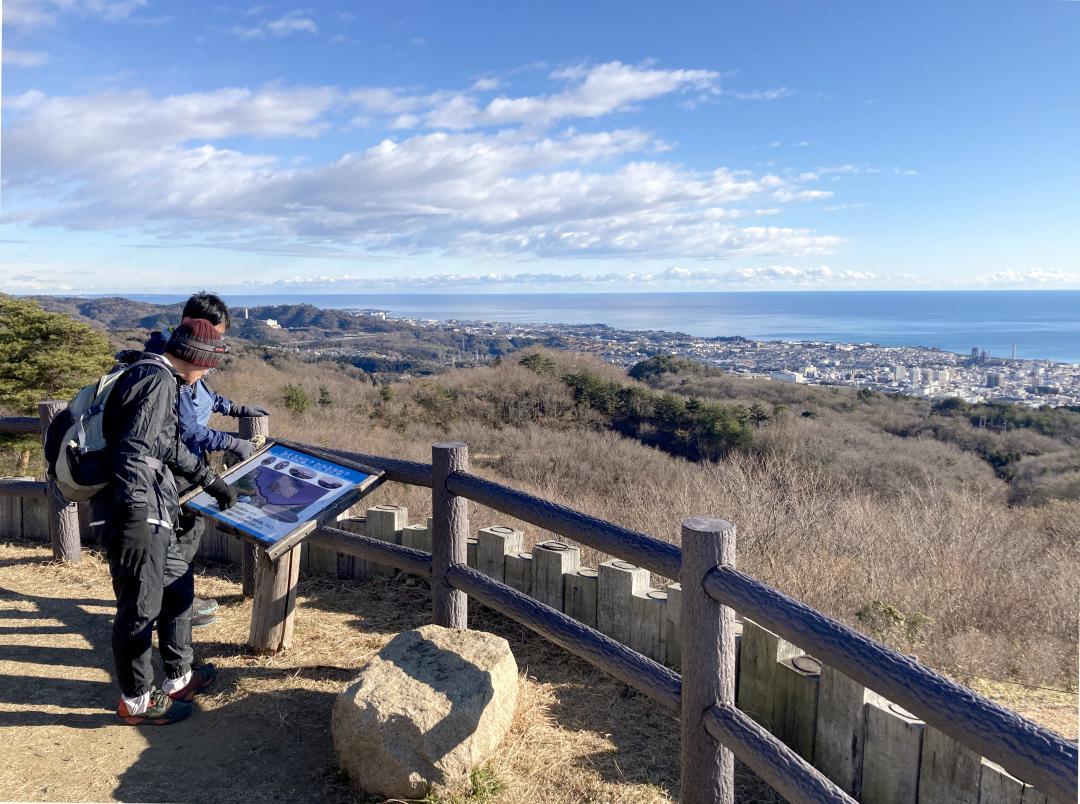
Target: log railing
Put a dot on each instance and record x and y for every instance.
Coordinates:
(714, 731)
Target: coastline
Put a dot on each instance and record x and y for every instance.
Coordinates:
(1044, 325)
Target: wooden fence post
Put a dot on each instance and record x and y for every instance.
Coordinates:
(251, 426)
(450, 534)
(708, 662)
(63, 516)
(275, 601)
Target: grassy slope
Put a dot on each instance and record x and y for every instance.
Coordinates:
(910, 539)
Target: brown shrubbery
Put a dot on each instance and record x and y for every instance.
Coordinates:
(909, 539)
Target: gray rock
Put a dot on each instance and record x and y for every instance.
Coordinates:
(425, 711)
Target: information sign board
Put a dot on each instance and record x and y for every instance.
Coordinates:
(286, 491)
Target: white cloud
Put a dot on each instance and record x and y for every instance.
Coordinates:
(675, 277)
(592, 92)
(132, 160)
(24, 58)
(1030, 278)
(74, 135)
(297, 21)
(761, 94)
(38, 13)
(787, 194)
(600, 90)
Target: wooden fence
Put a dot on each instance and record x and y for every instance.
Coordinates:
(803, 718)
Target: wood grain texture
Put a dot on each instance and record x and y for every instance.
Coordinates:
(1026, 750)
(795, 707)
(450, 534)
(19, 425)
(11, 517)
(759, 655)
(890, 766)
(552, 561)
(840, 730)
(948, 771)
(411, 473)
(63, 516)
(708, 663)
(774, 763)
(492, 546)
(414, 562)
(518, 571)
(660, 557)
(250, 427)
(647, 623)
(581, 596)
(998, 787)
(274, 607)
(618, 582)
(673, 626)
(17, 487)
(385, 522)
(349, 565)
(633, 669)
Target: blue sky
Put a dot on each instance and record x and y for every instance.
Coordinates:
(152, 145)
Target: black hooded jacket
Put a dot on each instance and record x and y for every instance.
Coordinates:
(141, 427)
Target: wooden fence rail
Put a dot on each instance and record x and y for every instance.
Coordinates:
(17, 487)
(713, 729)
(20, 425)
(1025, 749)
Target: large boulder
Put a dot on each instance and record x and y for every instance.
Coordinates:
(425, 711)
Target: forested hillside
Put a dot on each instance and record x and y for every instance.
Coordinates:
(948, 531)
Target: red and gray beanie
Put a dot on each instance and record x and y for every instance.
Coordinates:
(198, 342)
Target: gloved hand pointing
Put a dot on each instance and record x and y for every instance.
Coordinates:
(222, 492)
(247, 411)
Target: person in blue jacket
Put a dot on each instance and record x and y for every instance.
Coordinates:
(197, 403)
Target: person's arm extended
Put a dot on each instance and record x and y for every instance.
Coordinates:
(197, 436)
(221, 404)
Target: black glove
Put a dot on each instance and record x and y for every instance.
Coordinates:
(247, 411)
(222, 492)
(240, 447)
(133, 545)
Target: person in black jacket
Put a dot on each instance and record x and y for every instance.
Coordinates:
(139, 511)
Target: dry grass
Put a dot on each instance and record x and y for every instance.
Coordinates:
(264, 732)
(909, 540)
(578, 735)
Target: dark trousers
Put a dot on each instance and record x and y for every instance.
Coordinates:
(158, 594)
(189, 535)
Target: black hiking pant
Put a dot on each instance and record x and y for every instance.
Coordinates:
(159, 593)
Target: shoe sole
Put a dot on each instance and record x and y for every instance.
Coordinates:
(140, 720)
(204, 623)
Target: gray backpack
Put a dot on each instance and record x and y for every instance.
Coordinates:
(75, 449)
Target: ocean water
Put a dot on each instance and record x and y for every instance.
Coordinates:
(1043, 324)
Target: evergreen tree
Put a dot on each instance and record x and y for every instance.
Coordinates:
(45, 355)
(296, 399)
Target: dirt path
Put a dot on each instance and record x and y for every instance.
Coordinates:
(66, 744)
(263, 735)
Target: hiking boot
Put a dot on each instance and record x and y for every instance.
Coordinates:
(202, 620)
(201, 679)
(161, 711)
(201, 607)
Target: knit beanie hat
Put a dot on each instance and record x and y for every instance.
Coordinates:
(198, 342)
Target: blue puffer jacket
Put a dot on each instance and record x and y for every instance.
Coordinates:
(197, 404)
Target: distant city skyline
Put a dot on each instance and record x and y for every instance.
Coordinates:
(150, 147)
